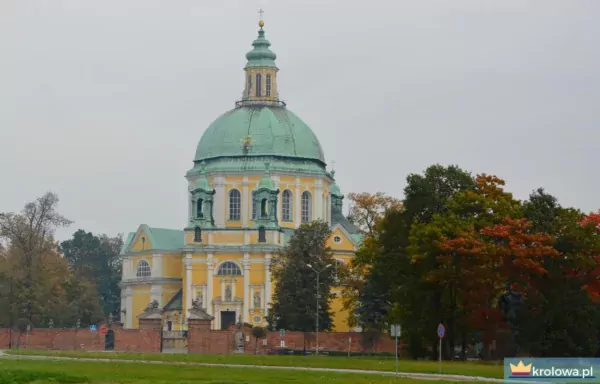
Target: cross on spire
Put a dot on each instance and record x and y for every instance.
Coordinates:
(333, 165)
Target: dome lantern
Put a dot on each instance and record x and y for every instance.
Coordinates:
(261, 73)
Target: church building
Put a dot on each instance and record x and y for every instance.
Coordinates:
(259, 172)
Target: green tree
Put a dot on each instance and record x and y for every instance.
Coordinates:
(564, 317)
(396, 280)
(97, 258)
(294, 304)
(35, 277)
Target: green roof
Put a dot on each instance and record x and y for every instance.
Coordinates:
(261, 55)
(175, 304)
(160, 238)
(269, 130)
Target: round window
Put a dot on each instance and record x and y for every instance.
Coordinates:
(256, 319)
(337, 239)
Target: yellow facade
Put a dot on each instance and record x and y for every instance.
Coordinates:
(245, 202)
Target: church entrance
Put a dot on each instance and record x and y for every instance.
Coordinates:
(227, 319)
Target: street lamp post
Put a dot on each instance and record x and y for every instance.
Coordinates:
(317, 313)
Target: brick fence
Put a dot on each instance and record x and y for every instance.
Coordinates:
(145, 339)
(201, 339)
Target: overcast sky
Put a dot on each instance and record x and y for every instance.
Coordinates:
(104, 102)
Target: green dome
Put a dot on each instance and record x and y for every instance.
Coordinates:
(266, 182)
(261, 130)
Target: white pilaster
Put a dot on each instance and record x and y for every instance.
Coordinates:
(209, 282)
(156, 294)
(128, 294)
(126, 268)
(246, 206)
(219, 201)
(188, 283)
(318, 200)
(297, 206)
(267, 299)
(157, 265)
(247, 300)
(189, 199)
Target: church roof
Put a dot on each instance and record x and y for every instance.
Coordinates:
(268, 130)
(175, 304)
(337, 217)
(160, 238)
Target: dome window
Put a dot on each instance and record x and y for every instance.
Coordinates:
(249, 85)
(262, 235)
(268, 87)
(235, 202)
(198, 235)
(258, 85)
(286, 205)
(306, 207)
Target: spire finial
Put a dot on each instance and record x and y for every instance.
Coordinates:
(267, 166)
(261, 22)
(202, 166)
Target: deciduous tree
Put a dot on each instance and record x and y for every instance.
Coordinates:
(294, 305)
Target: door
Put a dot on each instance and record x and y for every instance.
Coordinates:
(109, 340)
(227, 319)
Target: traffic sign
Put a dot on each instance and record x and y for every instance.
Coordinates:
(396, 331)
(93, 328)
(441, 330)
(103, 330)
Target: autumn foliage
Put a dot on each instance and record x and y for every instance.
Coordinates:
(463, 251)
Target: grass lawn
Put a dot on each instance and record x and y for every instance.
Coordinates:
(73, 372)
(449, 367)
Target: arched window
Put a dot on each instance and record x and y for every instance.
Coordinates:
(198, 235)
(199, 213)
(258, 84)
(268, 84)
(249, 85)
(235, 202)
(143, 269)
(306, 214)
(286, 205)
(262, 235)
(229, 268)
(263, 209)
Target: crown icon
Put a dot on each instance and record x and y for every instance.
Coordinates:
(520, 369)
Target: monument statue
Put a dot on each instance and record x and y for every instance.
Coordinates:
(228, 293)
(153, 305)
(239, 337)
(257, 300)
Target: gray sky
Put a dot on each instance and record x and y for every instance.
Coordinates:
(105, 101)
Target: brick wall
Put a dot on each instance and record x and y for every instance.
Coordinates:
(142, 340)
(204, 340)
(331, 341)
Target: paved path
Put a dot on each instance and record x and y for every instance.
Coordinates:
(420, 376)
